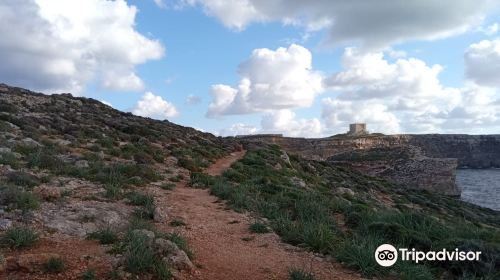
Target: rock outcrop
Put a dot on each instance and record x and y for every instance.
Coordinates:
(433, 169)
(406, 166)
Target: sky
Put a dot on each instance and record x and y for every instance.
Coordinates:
(300, 68)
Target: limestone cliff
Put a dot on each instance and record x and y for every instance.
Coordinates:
(433, 168)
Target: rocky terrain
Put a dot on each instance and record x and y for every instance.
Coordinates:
(429, 163)
(89, 192)
(73, 170)
(471, 151)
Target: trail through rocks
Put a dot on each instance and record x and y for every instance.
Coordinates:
(223, 246)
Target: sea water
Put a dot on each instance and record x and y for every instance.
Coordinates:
(480, 186)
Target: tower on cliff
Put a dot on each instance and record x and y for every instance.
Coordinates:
(357, 129)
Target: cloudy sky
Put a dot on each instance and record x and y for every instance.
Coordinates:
(302, 68)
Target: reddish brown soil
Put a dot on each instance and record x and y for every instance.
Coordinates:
(79, 255)
(216, 235)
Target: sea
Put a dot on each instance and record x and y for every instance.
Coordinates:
(480, 186)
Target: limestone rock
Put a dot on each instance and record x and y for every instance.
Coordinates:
(5, 224)
(149, 234)
(296, 181)
(342, 191)
(160, 214)
(180, 261)
(47, 193)
(30, 142)
(284, 156)
(173, 255)
(78, 218)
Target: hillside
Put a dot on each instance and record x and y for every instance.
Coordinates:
(89, 192)
(73, 169)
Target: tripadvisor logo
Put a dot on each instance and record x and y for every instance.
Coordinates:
(387, 255)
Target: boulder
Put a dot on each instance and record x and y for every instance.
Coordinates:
(5, 224)
(173, 255)
(342, 191)
(160, 214)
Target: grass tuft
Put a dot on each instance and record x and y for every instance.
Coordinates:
(54, 265)
(299, 274)
(105, 236)
(258, 228)
(19, 237)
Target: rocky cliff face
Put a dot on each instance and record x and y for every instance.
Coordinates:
(433, 169)
(405, 165)
(471, 151)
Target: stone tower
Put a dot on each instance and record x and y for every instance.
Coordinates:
(357, 129)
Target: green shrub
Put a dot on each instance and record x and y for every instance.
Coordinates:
(27, 201)
(24, 179)
(89, 274)
(112, 191)
(46, 159)
(20, 199)
(299, 274)
(358, 254)
(177, 178)
(54, 265)
(9, 158)
(19, 237)
(105, 236)
(200, 180)
(140, 199)
(258, 228)
(177, 223)
(168, 186)
(140, 223)
(139, 256)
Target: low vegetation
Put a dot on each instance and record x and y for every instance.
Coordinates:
(104, 236)
(19, 237)
(258, 227)
(334, 210)
(299, 274)
(89, 274)
(54, 265)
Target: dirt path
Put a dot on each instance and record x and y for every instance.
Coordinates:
(216, 235)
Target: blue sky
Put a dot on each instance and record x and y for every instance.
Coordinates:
(424, 77)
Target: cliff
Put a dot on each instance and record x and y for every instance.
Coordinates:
(471, 151)
(439, 155)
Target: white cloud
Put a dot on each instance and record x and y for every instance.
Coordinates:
(285, 122)
(193, 100)
(482, 63)
(238, 129)
(278, 122)
(338, 114)
(63, 45)
(155, 107)
(407, 84)
(106, 103)
(489, 30)
(404, 96)
(160, 3)
(373, 23)
(270, 80)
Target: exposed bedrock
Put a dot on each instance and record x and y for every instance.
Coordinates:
(431, 166)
